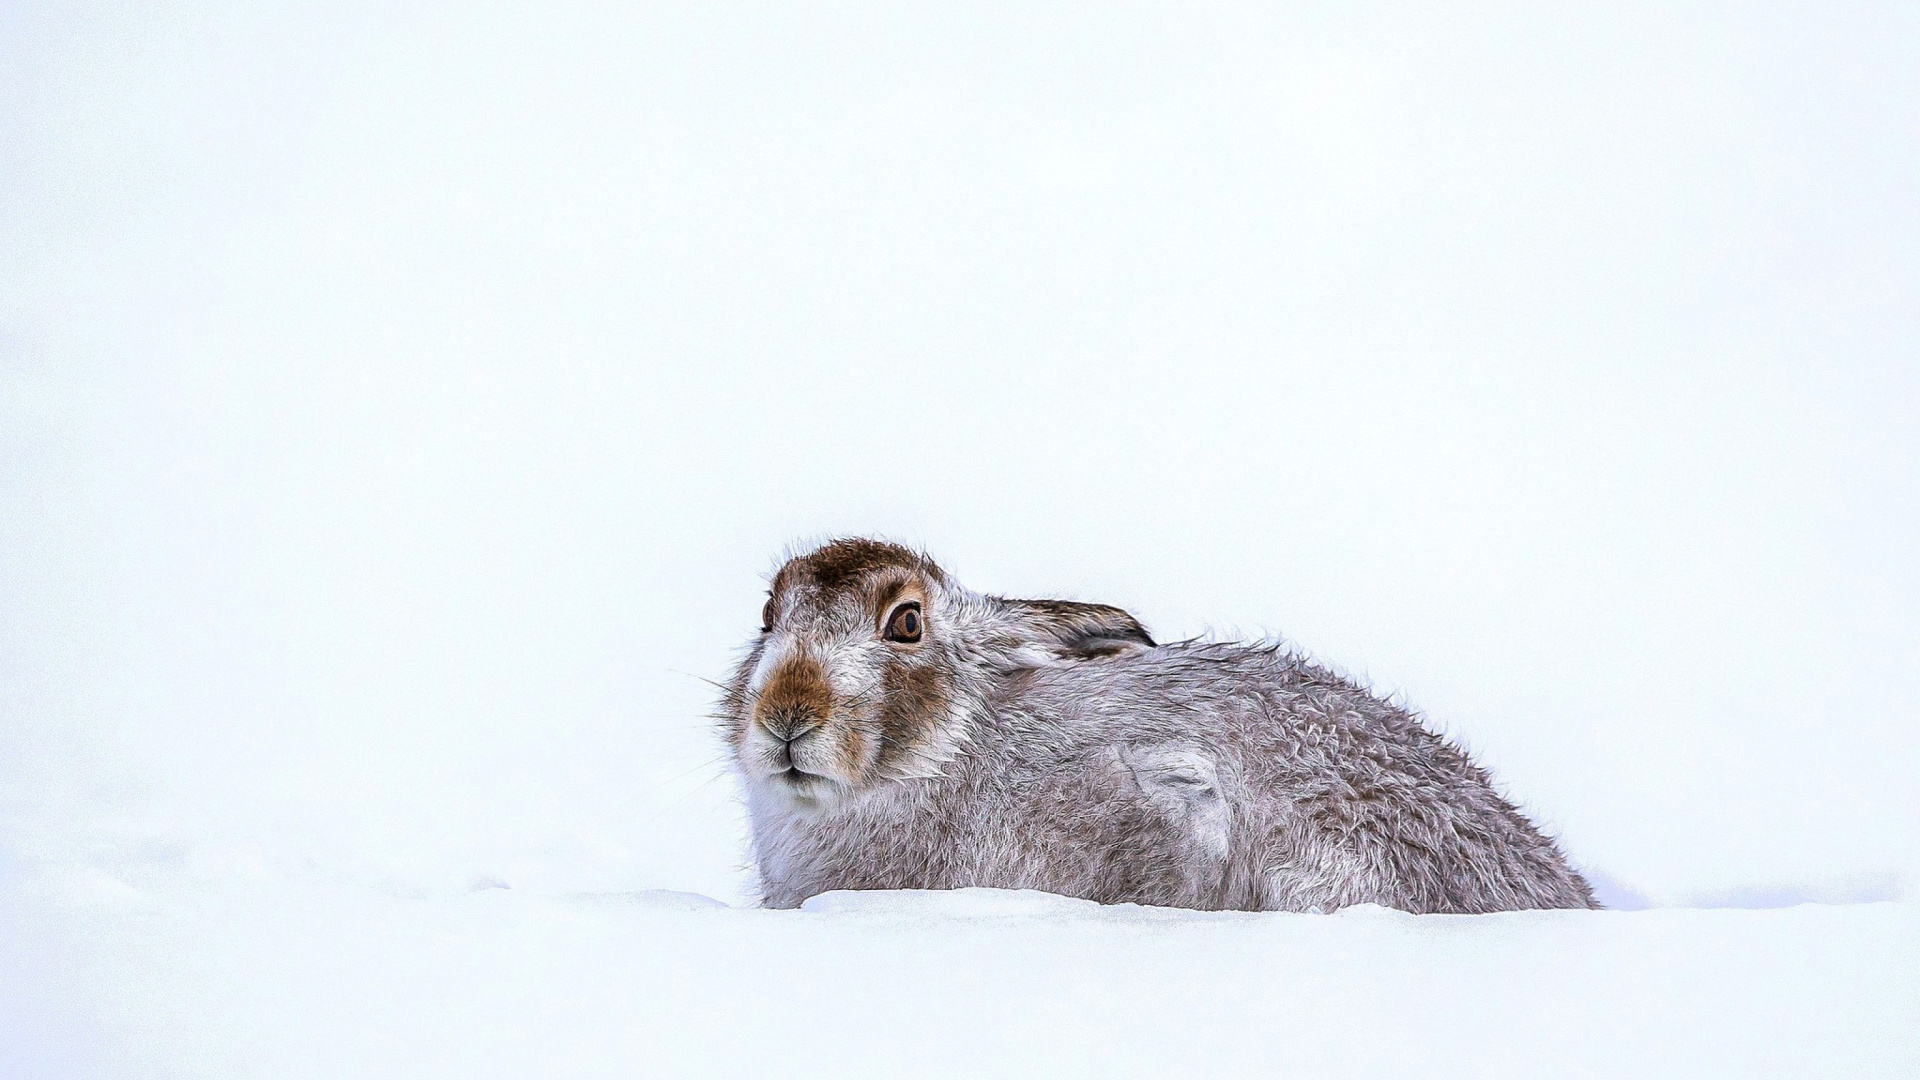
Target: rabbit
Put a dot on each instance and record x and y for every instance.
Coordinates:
(895, 730)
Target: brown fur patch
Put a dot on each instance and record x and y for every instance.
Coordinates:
(844, 562)
(795, 698)
(914, 698)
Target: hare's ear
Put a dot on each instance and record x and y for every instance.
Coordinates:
(1075, 631)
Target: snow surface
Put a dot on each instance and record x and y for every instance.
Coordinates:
(347, 981)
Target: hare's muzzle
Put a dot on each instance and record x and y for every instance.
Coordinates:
(795, 700)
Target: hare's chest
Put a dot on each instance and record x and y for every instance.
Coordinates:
(872, 843)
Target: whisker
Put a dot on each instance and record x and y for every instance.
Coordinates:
(717, 759)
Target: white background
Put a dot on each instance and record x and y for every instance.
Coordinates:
(400, 405)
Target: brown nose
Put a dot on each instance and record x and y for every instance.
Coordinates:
(795, 700)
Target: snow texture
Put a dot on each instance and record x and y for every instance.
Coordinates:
(331, 982)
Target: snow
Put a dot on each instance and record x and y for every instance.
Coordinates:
(400, 404)
(347, 981)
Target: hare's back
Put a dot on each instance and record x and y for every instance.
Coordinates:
(1276, 726)
(1315, 773)
(1230, 694)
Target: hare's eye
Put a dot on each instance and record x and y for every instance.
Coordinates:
(766, 617)
(904, 623)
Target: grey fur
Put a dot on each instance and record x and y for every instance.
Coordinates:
(1053, 746)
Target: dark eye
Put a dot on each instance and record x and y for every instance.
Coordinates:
(766, 617)
(904, 623)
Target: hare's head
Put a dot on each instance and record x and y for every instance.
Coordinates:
(870, 660)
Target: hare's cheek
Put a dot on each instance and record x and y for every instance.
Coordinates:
(849, 750)
(915, 701)
(864, 754)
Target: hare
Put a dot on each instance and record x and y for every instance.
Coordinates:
(895, 730)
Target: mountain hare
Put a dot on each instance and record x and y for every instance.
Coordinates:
(895, 730)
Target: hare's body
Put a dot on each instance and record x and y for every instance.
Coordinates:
(1190, 775)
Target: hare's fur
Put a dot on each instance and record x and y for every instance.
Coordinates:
(1049, 745)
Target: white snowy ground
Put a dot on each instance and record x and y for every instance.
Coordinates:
(350, 982)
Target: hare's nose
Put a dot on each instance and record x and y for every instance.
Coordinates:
(795, 700)
(789, 726)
